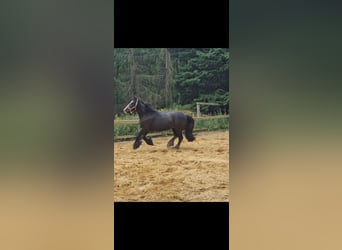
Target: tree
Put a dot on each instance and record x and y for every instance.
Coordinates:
(164, 76)
(200, 72)
(146, 73)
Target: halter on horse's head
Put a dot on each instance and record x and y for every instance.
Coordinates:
(131, 106)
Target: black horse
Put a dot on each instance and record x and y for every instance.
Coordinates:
(152, 120)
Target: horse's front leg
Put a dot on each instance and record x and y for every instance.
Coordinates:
(140, 136)
(170, 143)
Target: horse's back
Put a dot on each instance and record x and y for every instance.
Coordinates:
(177, 114)
(169, 120)
(179, 119)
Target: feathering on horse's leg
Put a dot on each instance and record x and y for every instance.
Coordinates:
(189, 128)
(138, 142)
(148, 140)
(171, 141)
(180, 139)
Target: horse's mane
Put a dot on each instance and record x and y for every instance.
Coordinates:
(148, 107)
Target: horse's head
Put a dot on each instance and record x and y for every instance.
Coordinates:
(131, 106)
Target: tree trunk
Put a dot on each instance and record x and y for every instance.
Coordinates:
(168, 74)
(132, 82)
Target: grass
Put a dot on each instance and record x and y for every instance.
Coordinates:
(127, 129)
(127, 117)
(212, 124)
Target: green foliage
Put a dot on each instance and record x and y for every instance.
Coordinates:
(126, 129)
(188, 107)
(170, 77)
(219, 96)
(200, 71)
(127, 117)
(212, 124)
(144, 72)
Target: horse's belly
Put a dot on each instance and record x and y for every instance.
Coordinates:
(161, 124)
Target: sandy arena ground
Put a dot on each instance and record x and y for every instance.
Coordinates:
(198, 171)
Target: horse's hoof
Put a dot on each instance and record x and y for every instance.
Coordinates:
(136, 145)
(149, 141)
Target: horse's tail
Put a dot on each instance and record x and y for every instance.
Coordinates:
(189, 127)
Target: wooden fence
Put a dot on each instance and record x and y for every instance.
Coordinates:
(125, 122)
(128, 122)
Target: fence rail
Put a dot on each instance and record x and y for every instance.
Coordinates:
(158, 134)
(127, 122)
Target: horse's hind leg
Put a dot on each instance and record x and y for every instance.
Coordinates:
(171, 141)
(180, 138)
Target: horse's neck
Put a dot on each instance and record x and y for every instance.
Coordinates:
(141, 115)
(144, 110)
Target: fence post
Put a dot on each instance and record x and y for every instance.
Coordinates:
(198, 109)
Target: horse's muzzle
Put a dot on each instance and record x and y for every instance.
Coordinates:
(127, 111)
